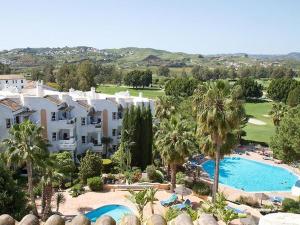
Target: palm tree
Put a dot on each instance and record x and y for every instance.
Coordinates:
(59, 199)
(219, 113)
(165, 107)
(151, 197)
(277, 112)
(175, 141)
(50, 175)
(139, 198)
(26, 144)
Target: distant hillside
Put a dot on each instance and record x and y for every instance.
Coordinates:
(22, 58)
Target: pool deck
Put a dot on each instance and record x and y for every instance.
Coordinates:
(233, 194)
(93, 200)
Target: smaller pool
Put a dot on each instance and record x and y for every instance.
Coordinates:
(115, 211)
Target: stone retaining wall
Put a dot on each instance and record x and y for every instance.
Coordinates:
(182, 219)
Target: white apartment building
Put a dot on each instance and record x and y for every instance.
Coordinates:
(12, 80)
(73, 121)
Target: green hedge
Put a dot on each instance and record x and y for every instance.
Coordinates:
(95, 183)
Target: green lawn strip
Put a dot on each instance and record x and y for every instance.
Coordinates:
(260, 133)
(147, 92)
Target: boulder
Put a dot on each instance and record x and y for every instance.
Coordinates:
(130, 220)
(280, 218)
(29, 220)
(183, 219)
(6, 219)
(156, 220)
(207, 219)
(55, 220)
(105, 220)
(80, 220)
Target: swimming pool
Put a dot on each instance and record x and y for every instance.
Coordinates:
(115, 211)
(251, 176)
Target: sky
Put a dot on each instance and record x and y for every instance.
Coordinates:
(192, 26)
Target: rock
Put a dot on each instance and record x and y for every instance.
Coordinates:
(55, 220)
(280, 218)
(80, 220)
(130, 220)
(29, 220)
(105, 220)
(183, 219)
(6, 219)
(156, 220)
(207, 219)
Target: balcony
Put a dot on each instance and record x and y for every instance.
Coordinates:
(97, 147)
(67, 144)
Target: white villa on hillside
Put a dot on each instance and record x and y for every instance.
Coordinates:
(12, 80)
(73, 121)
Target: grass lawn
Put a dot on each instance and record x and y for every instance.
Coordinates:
(260, 133)
(147, 92)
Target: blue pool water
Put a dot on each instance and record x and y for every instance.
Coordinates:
(251, 176)
(115, 211)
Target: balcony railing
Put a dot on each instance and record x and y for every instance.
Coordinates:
(67, 144)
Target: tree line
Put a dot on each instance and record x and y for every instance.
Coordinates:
(204, 73)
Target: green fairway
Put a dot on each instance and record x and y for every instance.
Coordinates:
(147, 92)
(260, 133)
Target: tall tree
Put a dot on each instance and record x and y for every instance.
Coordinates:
(220, 113)
(86, 71)
(250, 87)
(175, 141)
(163, 71)
(277, 112)
(286, 143)
(26, 144)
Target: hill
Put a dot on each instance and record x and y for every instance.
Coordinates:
(131, 57)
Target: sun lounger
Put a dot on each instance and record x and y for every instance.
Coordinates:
(183, 205)
(238, 211)
(277, 199)
(171, 200)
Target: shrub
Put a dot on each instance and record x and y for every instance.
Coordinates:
(76, 190)
(193, 213)
(171, 213)
(153, 174)
(180, 176)
(219, 210)
(201, 188)
(291, 206)
(90, 166)
(247, 200)
(68, 185)
(95, 183)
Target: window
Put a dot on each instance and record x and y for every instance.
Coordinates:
(8, 123)
(83, 121)
(6, 81)
(114, 132)
(83, 139)
(54, 136)
(53, 116)
(114, 115)
(22, 81)
(22, 86)
(17, 119)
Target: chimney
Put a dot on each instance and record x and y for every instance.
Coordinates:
(93, 93)
(39, 89)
